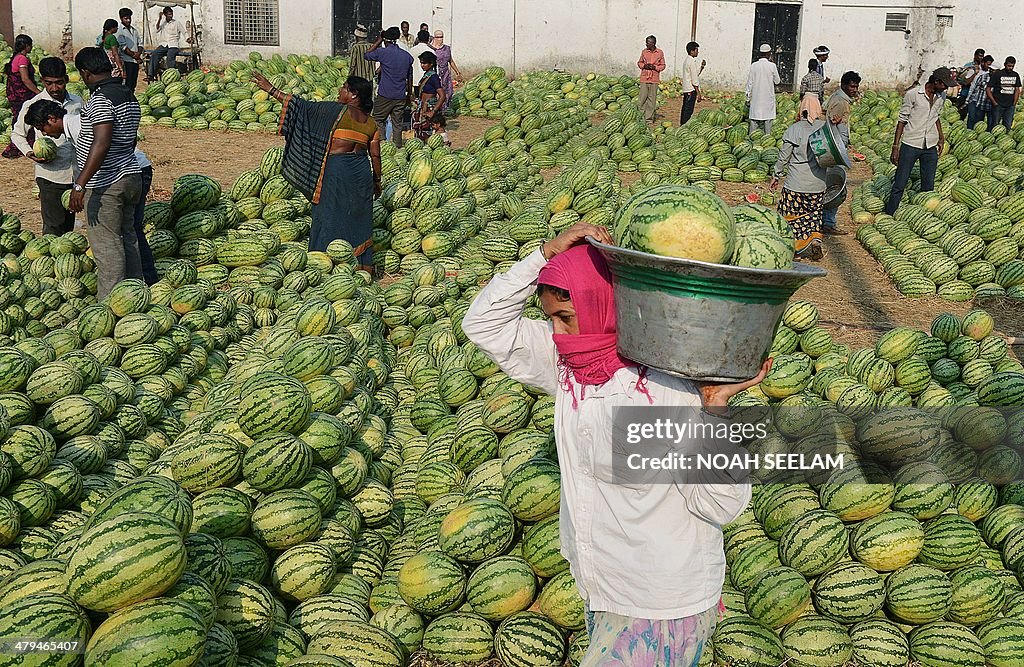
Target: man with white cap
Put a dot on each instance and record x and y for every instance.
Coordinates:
(359, 66)
(761, 82)
(821, 53)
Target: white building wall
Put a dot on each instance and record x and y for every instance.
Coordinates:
(601, 35)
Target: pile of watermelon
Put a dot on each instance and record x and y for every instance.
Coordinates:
(894, 558)
(963, 241)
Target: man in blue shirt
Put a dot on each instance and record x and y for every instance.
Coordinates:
(395, 90)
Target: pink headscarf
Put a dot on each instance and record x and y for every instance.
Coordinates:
(591, 356)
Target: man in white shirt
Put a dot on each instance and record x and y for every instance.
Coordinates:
(691, 81)
(54, 177)
(170, 37)
(919, 135)
(130, 41)
(761, 82)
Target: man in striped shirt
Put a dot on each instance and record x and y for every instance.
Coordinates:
(109, 179)
(359, 66)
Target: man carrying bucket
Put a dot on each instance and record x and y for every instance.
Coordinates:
(641, 603)
(919, 135)
(837, 111)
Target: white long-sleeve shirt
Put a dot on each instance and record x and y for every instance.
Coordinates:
(60, 168)
(761, 82)
(649, 551)
(171, 34)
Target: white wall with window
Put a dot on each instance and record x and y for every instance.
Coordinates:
(583, 35)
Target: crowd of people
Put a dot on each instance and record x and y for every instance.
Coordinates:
(987, 93)
(403, 99)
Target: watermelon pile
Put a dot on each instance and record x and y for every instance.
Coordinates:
(922, 564)
(963, 241)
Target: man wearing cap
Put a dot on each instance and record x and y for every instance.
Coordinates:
(395, 90)
(821, 53)
(919, 135)
(761, 82)
(358, 65)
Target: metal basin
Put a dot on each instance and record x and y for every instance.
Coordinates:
(827, 147)
(835, 187)
(695, 319)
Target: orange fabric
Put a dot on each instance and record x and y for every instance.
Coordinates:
(656, 58)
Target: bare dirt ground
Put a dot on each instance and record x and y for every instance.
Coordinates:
(856, 298)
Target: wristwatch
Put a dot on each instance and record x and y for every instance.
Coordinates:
(77, 188)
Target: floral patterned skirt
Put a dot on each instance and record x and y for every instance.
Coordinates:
(802, 211)
(621, 641)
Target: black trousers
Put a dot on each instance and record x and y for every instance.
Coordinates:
(131, 75)
(56, 219)
(689, 100)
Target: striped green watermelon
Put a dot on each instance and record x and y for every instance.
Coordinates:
(778, 596)
(432, 583)
(273, 402)
(741, 640)
(1003, 641)
(945, 644)
(358, 643)
(45, 615)
(247, 610)
(879, 643)
(817, 641)
(977, 597)
(459, 638)
(918, 594)
(160, 631)
(477, 530)
(560, 601)
(286, 518)
(303, 571)
(500, 587)
(887, 541)
(950, 542)
(813, 543)
(124, 560)
(849, 592)
(529, 639)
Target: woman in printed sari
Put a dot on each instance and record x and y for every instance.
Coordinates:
(647, 558)
(325, 158)
(431, 97)
(803, 194)
(21, 83)
(446, 67)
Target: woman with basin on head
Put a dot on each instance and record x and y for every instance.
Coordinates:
(648, 559)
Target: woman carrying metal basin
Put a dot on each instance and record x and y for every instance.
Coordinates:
(809, 148)
(647, 559)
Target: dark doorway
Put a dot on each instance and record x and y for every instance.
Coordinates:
(348, 13)
(7, 22)
(777, 25)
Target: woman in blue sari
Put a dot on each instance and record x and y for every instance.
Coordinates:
(325, 158)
